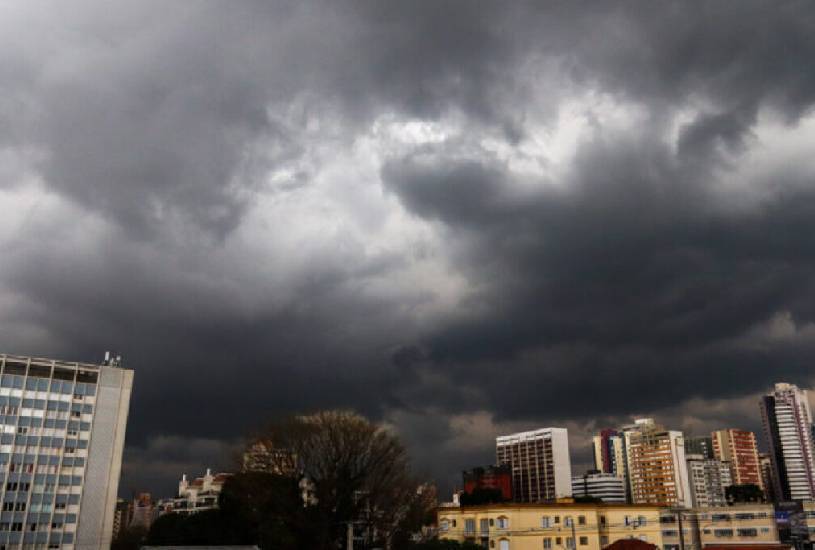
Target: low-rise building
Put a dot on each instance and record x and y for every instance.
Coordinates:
(195, 496)
(573, 526)
(746, 524)
(607, 487)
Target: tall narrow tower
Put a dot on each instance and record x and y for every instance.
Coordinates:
(787, 423)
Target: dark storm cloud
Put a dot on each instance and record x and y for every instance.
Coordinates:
(186, 184)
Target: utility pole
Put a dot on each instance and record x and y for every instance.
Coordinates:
(349, 536)
(681, 530)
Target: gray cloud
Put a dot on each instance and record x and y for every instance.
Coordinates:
(454, 218)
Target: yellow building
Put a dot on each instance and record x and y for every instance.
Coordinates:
(576, 526)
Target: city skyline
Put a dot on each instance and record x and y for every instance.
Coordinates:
(459, 219)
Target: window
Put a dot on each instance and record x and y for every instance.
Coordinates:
(667, 519)
(584, 541)
(444, 525)
(748, 532)
(720, 517)
(603, 541)
(558, 541)
(644, 538)
(17, 526)
(454, 523)
(557, 519)
(569, 542)
(603, 521)
(504, 544)
(547, 543)
(545, 522)
(642, 521)
(723, 533)
(745, 516)
(567, 521)
(503, 523)
(767, 529)
(581, 520)
(670, 533)
(469, 526)
(485, 525)
(19, 506)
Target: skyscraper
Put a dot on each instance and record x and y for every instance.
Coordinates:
(540, 463)
(658, 470)
(787, 423)
(738, 447)
(63, 429)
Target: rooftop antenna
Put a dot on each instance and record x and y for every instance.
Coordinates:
(112, 359)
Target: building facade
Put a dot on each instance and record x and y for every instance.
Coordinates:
(194, 496)
(62, 430)
(739, 449)
(658, 471)
(708, 479)
(498, 478)
(609, 457)
(540, 464)
(595, 526)
(787, 422)
(700, 446)
(607, 487)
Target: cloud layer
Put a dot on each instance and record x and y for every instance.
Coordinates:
(457, 219)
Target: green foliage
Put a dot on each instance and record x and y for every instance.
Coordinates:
(129, 539)
(359, 473)
(255, 508)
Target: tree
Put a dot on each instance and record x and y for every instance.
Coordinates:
(254, 508)
(744, 493)
(360, 473)
(129, 539)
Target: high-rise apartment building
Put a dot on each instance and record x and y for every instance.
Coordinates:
(739, 449)
(608, 452)
(62, 431)
(540, 463)
(658, 471)
(787, 423)
(708, 479)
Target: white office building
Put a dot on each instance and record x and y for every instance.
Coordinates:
(540, 463)
(62, 431)
(607, 487)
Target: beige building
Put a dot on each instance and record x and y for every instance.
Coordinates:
(739, 449)
(570, 526)
(658, 471)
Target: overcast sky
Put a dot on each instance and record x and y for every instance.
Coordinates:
(458, 218)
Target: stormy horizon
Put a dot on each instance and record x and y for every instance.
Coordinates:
(458, 219)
